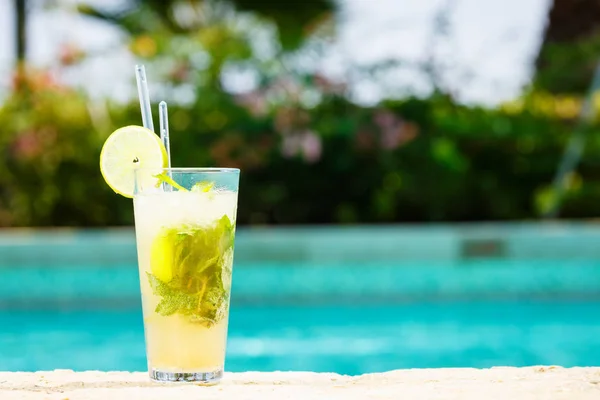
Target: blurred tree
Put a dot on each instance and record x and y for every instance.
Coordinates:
(292, 18)
(21, 29)
(295, 134)
(570, 47)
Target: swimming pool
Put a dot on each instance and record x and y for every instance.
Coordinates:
(350, 301)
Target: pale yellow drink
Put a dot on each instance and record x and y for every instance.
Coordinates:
(185, 230)
(185, 256)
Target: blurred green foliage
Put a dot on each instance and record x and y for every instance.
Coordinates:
(50, 151)
(307, 153)
(293, 19)
(568, 67)
(410, 160)
(569, 47)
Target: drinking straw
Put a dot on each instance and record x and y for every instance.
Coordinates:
(142, 85)
(163, 117)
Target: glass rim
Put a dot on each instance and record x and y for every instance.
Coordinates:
(194, 170)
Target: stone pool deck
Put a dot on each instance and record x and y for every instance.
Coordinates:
(502, 383)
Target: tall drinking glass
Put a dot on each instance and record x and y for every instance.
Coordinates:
(185, 231)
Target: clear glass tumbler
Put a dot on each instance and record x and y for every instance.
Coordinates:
(185, 233)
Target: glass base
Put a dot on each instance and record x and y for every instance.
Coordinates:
(203, 378)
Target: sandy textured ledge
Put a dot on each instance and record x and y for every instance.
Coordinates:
(497, 383)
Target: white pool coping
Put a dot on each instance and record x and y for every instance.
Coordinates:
(499, 383)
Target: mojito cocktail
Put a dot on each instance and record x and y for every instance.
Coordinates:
(185, 230)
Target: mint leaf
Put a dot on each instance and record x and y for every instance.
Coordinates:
(159, 288)
(201, 259)
(166, 308)
(164, 178)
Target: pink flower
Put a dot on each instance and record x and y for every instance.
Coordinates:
(70, 54)
(27, 146)
(394, 130)
(311, 147)
(254, 102)
(305, 143)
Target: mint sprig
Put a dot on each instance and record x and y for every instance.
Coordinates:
(199, 187)
(164, 178)
(201, 261)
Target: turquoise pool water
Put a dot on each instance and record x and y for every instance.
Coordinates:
(345, 339)
(348, 301)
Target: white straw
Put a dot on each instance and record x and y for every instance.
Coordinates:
(163, 118)
(142, 85)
